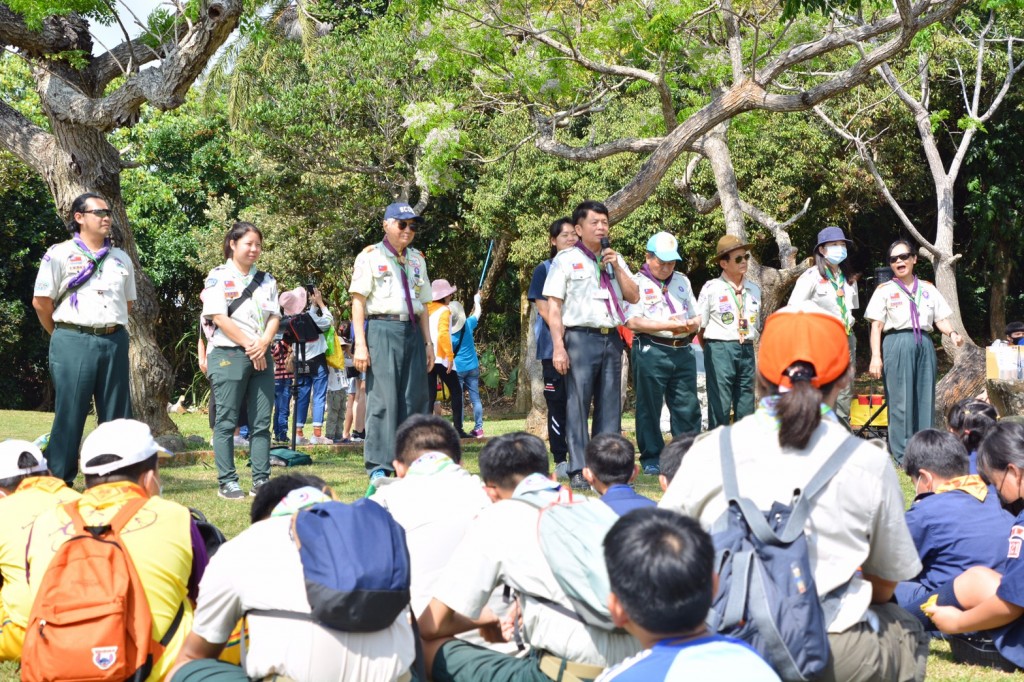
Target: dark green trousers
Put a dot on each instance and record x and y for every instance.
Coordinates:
(396, 386)
(84, 367)
(908, 369)
(729, 367)
(234, 382)
(662, 374)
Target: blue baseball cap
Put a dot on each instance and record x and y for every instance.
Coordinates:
(401, 211)
(664, 246)
(831, 234)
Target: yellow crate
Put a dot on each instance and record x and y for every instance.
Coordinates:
(863, 406)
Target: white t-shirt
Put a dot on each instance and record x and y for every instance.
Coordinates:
(434, 503)
(260, 569)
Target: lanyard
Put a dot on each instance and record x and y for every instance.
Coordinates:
(838, 282)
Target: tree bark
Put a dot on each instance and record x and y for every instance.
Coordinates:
(1006, 396)
(999, 287)
(965, 380)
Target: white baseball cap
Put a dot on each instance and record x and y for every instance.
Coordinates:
(11, 451)
(128, 439)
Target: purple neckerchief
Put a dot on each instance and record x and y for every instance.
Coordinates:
(405, 280)
(94, 262)
(606, 284)
(646, 272)
(915, 320)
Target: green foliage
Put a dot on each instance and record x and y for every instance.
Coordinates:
(34, 11)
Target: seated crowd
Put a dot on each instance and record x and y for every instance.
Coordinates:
(506, 575)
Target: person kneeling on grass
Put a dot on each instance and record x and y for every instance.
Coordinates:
(956, 521)
(660, 564)
(611, 467)
(980, 598)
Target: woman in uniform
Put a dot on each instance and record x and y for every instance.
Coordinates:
(830, 285)
(904, 309)
(242, 302)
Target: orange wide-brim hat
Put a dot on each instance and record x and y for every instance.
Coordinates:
(803, 333)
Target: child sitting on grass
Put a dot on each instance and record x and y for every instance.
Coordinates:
(956, 520)
(610, 468)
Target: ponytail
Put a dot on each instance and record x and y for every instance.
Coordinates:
(799, 408)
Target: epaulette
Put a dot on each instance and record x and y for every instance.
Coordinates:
(370, 248)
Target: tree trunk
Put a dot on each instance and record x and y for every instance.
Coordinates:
(86, 162)
(999, 287)
(965, 380)
(537, 418)
(1006, 396)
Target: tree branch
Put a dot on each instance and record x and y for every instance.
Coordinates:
(109, 65)
(59, 34)
(23, 138)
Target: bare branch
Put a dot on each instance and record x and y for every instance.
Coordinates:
(109, 65)
(644, 145)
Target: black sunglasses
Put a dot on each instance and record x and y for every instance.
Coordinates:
(900, 257)
(406, 225)
(99, 212)
(740, 259)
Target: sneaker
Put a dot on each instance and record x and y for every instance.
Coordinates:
(280, 440)
(241, 442)
(652, 470)
(320, 440)
(231, 491)
(301, 440)
(379, 472)
(358, 436)
(562, 471)
(477, 433)
(256, 485)
(464, 436)
(577, 482)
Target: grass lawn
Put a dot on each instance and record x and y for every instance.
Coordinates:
(194, 485)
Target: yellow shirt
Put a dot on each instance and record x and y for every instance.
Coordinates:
(158, 539)
(19, 510)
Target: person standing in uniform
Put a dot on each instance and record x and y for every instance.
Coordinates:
(664, 366)
(585, 288)
(390, 290)
(729, 306)
(83, 294)
(904, 309)
(830, 285)
(242, 302)
(562, 234)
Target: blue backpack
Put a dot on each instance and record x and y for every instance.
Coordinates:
(766, 592)
(355, 563)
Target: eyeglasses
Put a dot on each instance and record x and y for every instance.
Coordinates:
(406, 225)
(99, 212)
(900, 257)
(740, 259)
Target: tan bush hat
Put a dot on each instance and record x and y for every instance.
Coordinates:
(730, 243)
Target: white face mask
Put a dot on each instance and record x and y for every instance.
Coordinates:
(835, 254)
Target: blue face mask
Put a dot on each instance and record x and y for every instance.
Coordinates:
(835, 254)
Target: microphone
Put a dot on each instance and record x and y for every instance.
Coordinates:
(605, 244)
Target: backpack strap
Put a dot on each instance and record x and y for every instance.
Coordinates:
(120, 520)
(730, 486)
(247, 292)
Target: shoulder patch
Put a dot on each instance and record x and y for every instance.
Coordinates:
(369, 249)
(210, 281)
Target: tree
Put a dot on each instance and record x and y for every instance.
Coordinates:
(85, 97)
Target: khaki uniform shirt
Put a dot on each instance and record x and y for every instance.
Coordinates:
(501, 547)
(223, 285)
(575, 279)
(377, 276)
(890, 305)
(652, 305)
(102, 301)
(720, 309)
(855, 522)
(811, 286)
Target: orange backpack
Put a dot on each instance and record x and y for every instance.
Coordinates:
(90, 620)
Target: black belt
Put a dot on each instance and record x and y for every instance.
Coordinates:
(902, 331)
(603, 331)
(662, 341)
(390, 318)
(94, 331)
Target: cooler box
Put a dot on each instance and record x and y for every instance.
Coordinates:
(863, 406)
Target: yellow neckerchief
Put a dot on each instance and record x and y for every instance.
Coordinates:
(49, 484)
(970, 484)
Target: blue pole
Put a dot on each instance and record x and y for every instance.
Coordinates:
(487, 262)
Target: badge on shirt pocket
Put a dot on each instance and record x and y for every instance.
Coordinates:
(727, 318)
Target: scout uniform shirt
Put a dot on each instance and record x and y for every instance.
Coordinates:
(890, 305)
(377, 275)
(102, 300)
(654, 306)
(833, 293)
(223, 285)
(575, 278)
(725, 314)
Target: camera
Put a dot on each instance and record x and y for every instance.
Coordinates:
(310, 286)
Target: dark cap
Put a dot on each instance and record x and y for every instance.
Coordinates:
(831, 234)
(401, 211)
